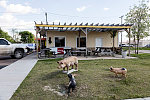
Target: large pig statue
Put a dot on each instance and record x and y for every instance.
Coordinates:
(67, 62)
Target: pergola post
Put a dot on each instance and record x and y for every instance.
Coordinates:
(128, 31)
(113, 35)
(129, 41)
(40, 41)
(86, 39)
(79, 37)
(37, 41)
(46, 40)
(86, 32)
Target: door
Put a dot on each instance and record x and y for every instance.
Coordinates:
(5, 48)
(98, 42)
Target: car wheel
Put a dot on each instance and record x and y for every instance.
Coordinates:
(18, 54)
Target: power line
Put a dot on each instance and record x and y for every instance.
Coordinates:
(80, 16)
(39, 13)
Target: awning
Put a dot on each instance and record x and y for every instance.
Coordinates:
(90, 27)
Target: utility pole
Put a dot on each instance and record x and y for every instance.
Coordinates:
(46, 31)
(121, 31)
(46, 18)
(14, 31)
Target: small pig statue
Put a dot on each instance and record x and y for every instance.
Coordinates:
(72, 82)
(67, 62)
(122, 71)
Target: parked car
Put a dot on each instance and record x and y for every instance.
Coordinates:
(14, 50)
(148, 46)
(126, 45)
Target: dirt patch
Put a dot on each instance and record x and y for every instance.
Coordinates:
(48, 88)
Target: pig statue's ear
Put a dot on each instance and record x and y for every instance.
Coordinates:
(111, 67)
(59, 62)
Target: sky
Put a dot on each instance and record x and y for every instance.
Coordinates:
(21, 14)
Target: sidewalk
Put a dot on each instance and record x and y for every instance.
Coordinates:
(148, 98)
(12, 76)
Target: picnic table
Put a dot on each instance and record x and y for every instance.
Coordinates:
(78, 52)
(48, 52)
(67, 52)
(81, 50)
(103, 51)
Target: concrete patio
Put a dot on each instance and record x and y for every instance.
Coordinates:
(104, 57)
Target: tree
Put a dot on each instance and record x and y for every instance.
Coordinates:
(138, 16)
(6, 36)
(26, 37)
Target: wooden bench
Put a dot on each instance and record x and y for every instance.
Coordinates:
(46, 53)
(78, 52)
(97, 51)
(103, 51)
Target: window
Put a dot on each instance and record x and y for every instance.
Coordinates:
(82, 42)
(3, 42)
(60, 41)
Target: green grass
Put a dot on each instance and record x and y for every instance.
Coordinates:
(94, 80)
(132, 48)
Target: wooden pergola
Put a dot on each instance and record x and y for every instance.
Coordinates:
(86, 28)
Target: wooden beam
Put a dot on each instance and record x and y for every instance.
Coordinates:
(94, 29)
(73, 27)
(127, 31)
(53, 24)
(86, 24)
(83, 26)
(91, 29)
(76, 27)
(68, 25)
(58, 27)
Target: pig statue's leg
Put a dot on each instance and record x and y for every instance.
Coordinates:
(72, 66)
(76, 66)
(116, 75)
(124, 75)
(67, 68)
(64, 69)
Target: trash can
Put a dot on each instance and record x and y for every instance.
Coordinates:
(124, 53)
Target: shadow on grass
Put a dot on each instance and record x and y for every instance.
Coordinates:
(52, 75)
(112, 76)
(128, 81)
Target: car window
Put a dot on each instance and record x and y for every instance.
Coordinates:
(3, 42)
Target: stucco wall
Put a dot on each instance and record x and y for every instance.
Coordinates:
(71, 38)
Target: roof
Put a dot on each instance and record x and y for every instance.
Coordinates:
(90, 27)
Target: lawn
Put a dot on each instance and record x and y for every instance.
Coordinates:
(132, 48)
(94, 80)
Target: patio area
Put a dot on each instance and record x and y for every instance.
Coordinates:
(80, 39)
(92, 57)
(116, 56)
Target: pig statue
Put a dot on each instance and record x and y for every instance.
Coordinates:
(122, 71)
(67, 62)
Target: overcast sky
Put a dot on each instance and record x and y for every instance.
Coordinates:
(21, 14)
